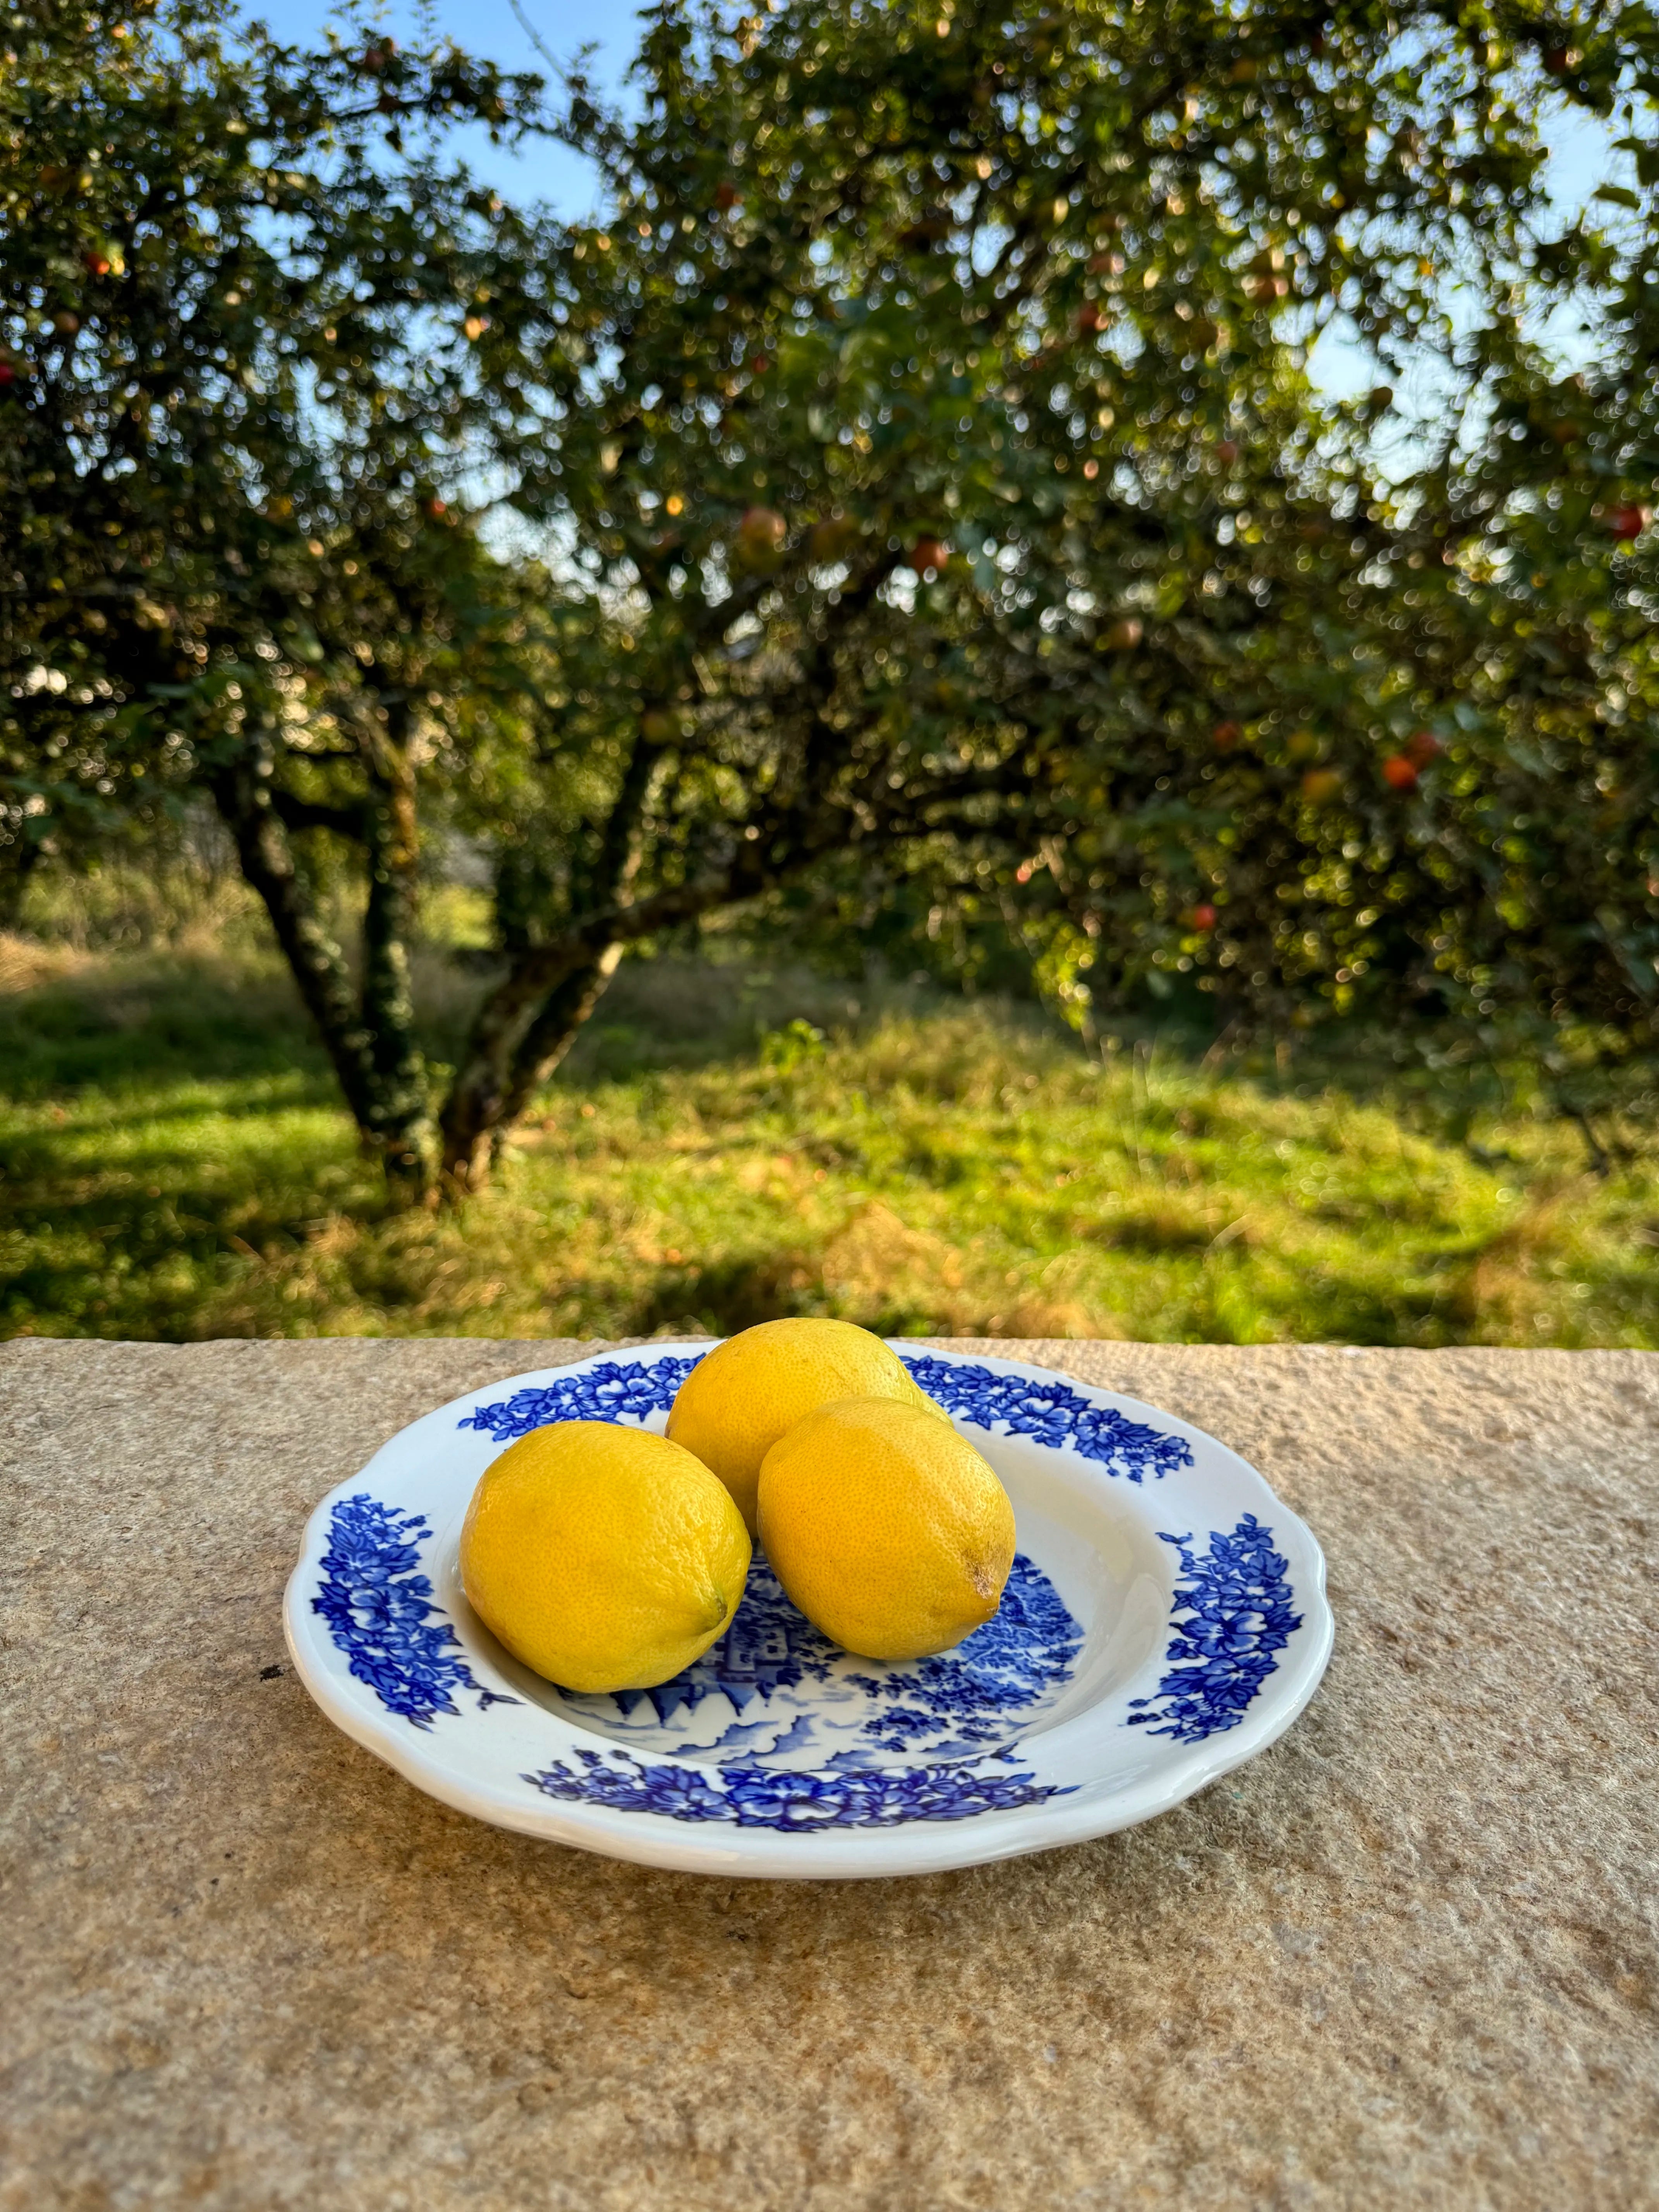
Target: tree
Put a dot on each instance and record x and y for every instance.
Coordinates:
(240, 295)
(1022, 304)
(922, 467)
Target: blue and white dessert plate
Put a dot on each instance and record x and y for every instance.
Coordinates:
(1165, 1621)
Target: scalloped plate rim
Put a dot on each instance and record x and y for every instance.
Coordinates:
(849, 1853)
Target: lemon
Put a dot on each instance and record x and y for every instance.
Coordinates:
(606, 1558)
(885, 1528)
(734, 1405)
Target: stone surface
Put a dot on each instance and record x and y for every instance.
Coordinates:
(1407, 1957)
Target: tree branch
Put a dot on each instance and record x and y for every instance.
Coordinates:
(296, 814)
(400, 1119)
(244, 800)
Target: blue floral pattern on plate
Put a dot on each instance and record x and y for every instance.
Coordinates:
(613, 1391)
(1050, 1413)
(382, 1613)
(776, 1797)
(380, 1610)
(1238, 1603)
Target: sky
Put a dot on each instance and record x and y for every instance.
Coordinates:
(491, 28)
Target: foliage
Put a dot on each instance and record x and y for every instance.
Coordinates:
(173, 1165)
(933, 513)
(1192, 694)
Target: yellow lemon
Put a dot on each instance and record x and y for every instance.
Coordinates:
(606, 1558)
(885, 1528)
(734, 1405)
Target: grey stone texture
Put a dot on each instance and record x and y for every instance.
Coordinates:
(1406, 1957)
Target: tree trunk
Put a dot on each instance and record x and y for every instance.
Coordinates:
(370, 1045)
(506, 1066)
(529, 1021)
(399, 1123)
(16, 867)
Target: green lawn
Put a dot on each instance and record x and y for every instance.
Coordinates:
(727, 1144)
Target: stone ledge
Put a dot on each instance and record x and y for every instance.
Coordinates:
(1410, 1955)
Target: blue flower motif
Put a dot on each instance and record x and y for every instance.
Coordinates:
(794, 1804)
(1028, 1648)
(1237, 1600)
(380, 1613)
(681, 1793)
(610, 1392)
(1050, 1412)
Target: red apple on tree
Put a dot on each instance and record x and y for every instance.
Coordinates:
(1628, 522)
(1124, 635)
(832, 540)
(1226, 451)
(760, 535)
(727, 196)
(1226, 735)
(1400, 774)
(929, 553)
(1204, 917)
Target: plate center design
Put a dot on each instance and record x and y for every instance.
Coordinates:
(776, 1692)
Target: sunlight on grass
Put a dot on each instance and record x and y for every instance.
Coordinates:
(174, 1166)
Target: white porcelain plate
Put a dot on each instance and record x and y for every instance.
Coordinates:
(1164, 1622)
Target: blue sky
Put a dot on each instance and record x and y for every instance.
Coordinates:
(491, 28)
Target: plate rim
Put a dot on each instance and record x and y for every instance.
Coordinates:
(830, 1853)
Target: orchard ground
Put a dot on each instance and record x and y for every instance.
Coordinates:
(728, 1143)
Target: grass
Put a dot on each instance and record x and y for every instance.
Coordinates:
(728, 1145)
